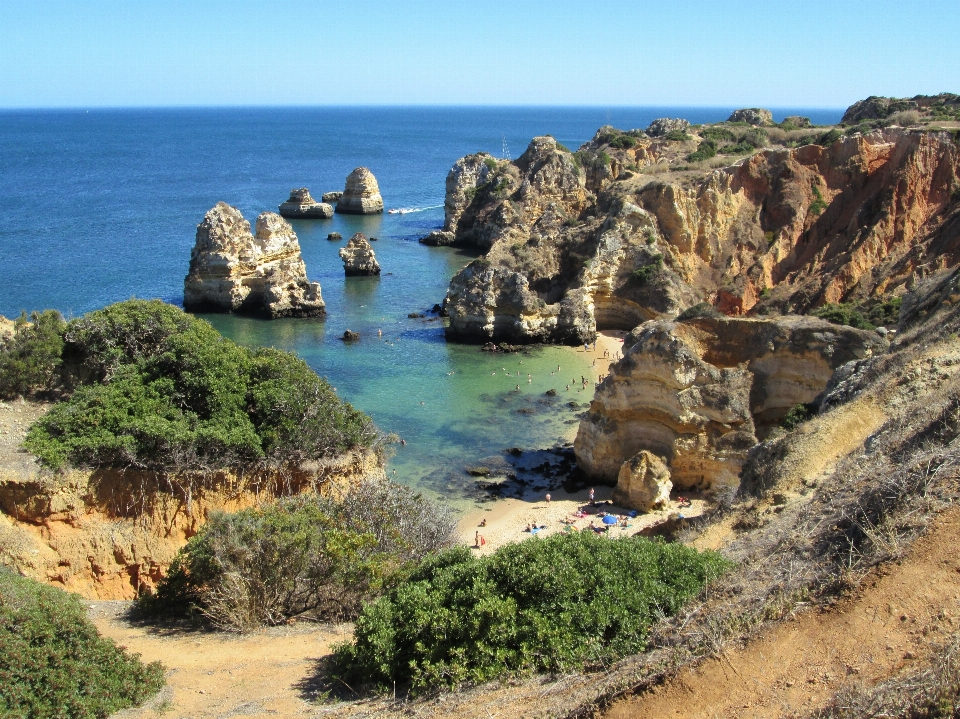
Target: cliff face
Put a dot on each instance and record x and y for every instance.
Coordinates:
(700, 393)
(231, 270)
(782, 230)
(109, 534)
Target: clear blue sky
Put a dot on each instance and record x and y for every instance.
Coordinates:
(605, 52)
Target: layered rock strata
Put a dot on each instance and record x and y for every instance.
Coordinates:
(302, 206)
(577, 244)
(361, 196)
(233, 270)
(358, 257)
(699, 394)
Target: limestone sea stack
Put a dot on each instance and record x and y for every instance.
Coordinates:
(233, 270)
(358, 258)
(361, 196)
(301, 206)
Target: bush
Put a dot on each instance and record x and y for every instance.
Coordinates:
(553, 605)
(718, 134)
(819, 204)
(677, 136)
(885, 312)
(798, 415)
(828, 138)
(646, 273)
(30, 360)
(704, 151)
(162, 390)
(53, 663)
(491, 164)
(701, 310)
(300, 555)
(842, 314)
(622, 142)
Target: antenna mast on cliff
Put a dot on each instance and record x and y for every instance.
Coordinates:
(506, 150)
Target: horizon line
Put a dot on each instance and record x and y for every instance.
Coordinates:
(238, 106)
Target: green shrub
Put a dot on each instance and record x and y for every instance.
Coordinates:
(300, 555)
(819, 204)
(676, 136)
(163, 390)
(53, 663)
(646, 273)
(622, 142)
(718, 134)
(828, 138)
(842, 314)
(491, 164)
(562, 147)
(701, 310)
(705, 150)
(798, 415)
(553, 605)
(885, 312)
(30, 360)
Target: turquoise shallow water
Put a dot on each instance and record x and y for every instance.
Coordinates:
(98, 206)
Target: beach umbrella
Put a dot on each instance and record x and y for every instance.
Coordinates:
(609, 519)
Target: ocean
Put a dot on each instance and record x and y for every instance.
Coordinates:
(101, 205)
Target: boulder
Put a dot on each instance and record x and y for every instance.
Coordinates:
(334, 237)
(361, 196)
(301, 206)
(331, 197)
(438, 238)
(702, 393)
(752, 116)
(233, 270)
(643, 483)
(358, 258)
(350, 336)
(662, 125)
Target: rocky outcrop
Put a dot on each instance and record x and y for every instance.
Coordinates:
(358, 258)
(438, 238)
(643, 483)
(752, 116)
(361, 196)
(301, 206)
(797, 121)
(701, 393)
(233, 270)
(663, 125)
(334, 237)
(331, 197)
(782, 231)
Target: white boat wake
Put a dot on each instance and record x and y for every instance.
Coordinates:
(408, 210)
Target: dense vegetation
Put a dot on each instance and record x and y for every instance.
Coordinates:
(30, 359)
(552, 605)
(301, 555)
(843, 314)
(53, 663)
(155, 388)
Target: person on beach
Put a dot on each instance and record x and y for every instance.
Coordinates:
(548, 499)
(592, 494)
(483, 522)
(476, 539)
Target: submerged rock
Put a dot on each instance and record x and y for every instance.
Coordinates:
(302, 206)
(358, 258)
(361, 196)
(334, 237)
(231, 270)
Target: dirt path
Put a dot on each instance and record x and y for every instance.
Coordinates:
(213, 674)
(798, 665)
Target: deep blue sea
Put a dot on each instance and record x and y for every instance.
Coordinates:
(100, 205)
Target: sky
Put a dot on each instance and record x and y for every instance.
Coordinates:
(107, 53)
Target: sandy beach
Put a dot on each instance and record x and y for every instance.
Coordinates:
(507, 519)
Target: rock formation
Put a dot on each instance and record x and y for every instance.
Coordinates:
(643, 483)
(361, 196)
(700, 393)
(797, 121)
(303, 207)
(579, 244)
(752, 116)
(331, 196)
(231, 270)
(663, 125)
(358, 258)
(334, 237)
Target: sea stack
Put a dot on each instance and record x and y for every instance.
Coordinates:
(231, 270)
(301, 206)
(361, 196)
(358, 258)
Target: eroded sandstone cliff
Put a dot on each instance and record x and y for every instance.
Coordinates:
(233, 270)
(700, 393)
(622, 231)
(361, 194)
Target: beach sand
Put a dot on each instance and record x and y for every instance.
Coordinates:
(507, 519)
